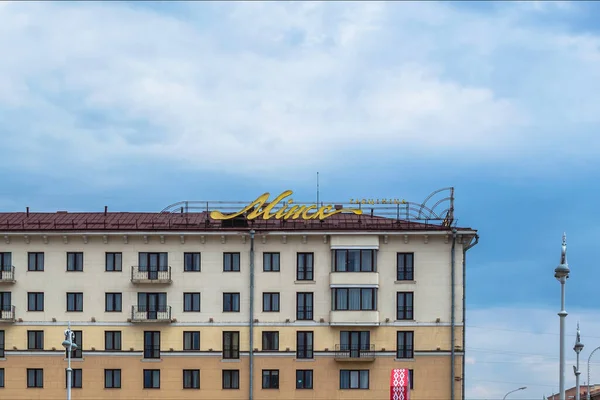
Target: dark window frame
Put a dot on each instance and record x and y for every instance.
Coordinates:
(38, 378)
(192, 335)
(2, 377)
(113, 296)
(231, 348)
(405, 271)
(344, 268)
(405, 345)
(270, 296)
(191, 257)
(37, 337)
(76, 378)
(192, 385)
(77, 353)
(36, 301)
(75, 296)
(232, 256)
(305, 313)
(362, 307)
(2, 342)
(307, 272)
(235, 305)
(151, 350)
(301, 378)
(115, 336)
(193, 296)
(6, 261)
(304, 346)
(270, 379)
(360, 372)
(234, 379)
(270, 337)
(75, 261)
(406, 312)
(38, 261)
(113, 256)
(271, 256)
(153, 374)
(112, 373)
(411, 381)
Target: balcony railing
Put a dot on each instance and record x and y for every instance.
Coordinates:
(151, 351)
(345, 352)
(7, 314)
(144, 275)
(7, 274)
(150, 314)
(231, 352)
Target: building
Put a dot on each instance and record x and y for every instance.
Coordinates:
(161, 302)
(570, 393)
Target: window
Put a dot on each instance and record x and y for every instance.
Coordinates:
(270, 379)
(411, 374)
(354, 379)
(76, 378)
(152, 263)
(271, 262)
(191, 302)
(405, 267)
(152, 379)
(354, 261)
(355, 343)
(35, 340)
(191, 340)
(231, 262)
(231, 345)
(270, 341)
(35, 261)
(35, 378)
(113, 302)
(191, 262)
(6, 303)
(1, 377)
(231, 379)
(75, 262)
(2, 344)
(270, 302)
(304, 268)
(5, 261)
(78, 353)
(112, 340)
(405, 306)
(354, 299)
(112, 378)
(114, 263)
(304, 379)
(405, 344)
(74, 301)
(304, 306)
(191, 379)
(35, 301)
(231, 302)
(304, 344)
(151, 344)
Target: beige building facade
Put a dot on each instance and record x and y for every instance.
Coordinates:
(161, 306)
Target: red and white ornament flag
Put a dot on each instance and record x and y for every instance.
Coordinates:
(399, 384)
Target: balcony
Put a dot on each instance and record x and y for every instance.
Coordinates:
(143, 275)
(7, 314)
(354, 278)
(354, 318)
(150, 314)
(7, 275)
(354, 353)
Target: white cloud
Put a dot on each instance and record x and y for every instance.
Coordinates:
(509, 347)
(105, 85)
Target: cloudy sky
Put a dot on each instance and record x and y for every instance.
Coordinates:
(137, 106)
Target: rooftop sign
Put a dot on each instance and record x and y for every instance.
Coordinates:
(260, 208)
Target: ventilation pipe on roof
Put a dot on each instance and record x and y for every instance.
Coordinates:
(27, 208)
(105, 210)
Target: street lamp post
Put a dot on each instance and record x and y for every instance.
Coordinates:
(561, 273)
(588, 372)
(70, 345)
(578, 347)
(512, 391)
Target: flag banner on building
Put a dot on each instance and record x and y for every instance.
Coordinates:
(399, 384)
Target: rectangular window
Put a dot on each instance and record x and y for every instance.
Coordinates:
(78, 353)
(191, 379)
(75, 261)
(231, 262)
(304, 344)
(271, 262)
(35, 378)
(152, 379)
(304, 379)
(355, 343)
(231, 379)
(191, 302)
(305, 267)
(2, 344)
(231, 345)
(35, 340)
(411, 374)
(354, 299)
(354, 379)
(6, 261)
(191, 340)
(270, 341)
(404, 304)
(35, 261)
(153, 263)
(112, 378)
(76, 378)
(270, 379)
(191, 262)
(270, 302)
(304, 306)
(114, 263)
(1, 377)
(113, 302)
(151, 344)
(35, 301)
(405, 344)
(231, 302)
(354, 261)
(405, 267)
(75, 302)
(112, 340)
